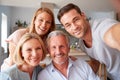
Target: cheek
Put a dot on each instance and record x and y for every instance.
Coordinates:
(68, 30)
(40, 54)
(24, 54)
(48, 27)
(36, 23)
(51, 52)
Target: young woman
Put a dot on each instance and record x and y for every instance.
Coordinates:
(42, 24)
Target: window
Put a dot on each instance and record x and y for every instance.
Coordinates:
(4, 32)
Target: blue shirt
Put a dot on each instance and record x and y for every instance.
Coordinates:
(77, 70)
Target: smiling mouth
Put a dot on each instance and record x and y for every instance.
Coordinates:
(34, 60)
(77, 33)
(58, 56)
(42, 29)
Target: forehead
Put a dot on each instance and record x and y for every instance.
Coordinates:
(68, 16)
(44, 15)
(58, 39)
(32, 42)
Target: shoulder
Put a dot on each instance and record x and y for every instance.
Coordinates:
(11, 69)
(81, 63)
(5, 64)
(15, 36)
(11, 72)
(4, 76)
(101, 26)
(102, 22)
(45, 72)
(19, 32)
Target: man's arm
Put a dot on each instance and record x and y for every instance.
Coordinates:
(112, 36)
(94, 64)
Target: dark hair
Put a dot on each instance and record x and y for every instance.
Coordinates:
(67, 8)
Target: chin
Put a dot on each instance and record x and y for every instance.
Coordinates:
(34, 65)
(60, 62)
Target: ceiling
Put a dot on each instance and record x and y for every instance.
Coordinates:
(102, 5)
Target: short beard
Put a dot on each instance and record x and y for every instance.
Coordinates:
(60, 63)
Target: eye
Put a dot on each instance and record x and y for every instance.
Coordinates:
(53, 47)
(48, 22)
(28, 50)
(39, 48)
(76, 19)
(61, 46)
(40, 20)
(67, 26)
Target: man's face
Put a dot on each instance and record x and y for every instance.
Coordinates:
(74, 23)
(58, 49)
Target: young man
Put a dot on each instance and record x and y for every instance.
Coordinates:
(62, 67)
(100, 37)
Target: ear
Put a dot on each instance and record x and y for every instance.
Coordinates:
(69, 50)
(48, 50)
(83, 15)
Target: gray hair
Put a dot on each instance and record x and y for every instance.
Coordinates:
(57, 33)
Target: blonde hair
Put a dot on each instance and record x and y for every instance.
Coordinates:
(17, 58)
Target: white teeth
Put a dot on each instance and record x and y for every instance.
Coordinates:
(58, 55)
(76, 33)
(34, 59)
(43, 29)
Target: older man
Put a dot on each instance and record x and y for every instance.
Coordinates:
(62, 67)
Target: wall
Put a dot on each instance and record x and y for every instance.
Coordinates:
(22, 14)
(92, 5)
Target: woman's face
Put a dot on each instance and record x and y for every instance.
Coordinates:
(32, 52)
(43, 23)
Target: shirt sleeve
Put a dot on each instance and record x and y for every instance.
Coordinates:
(15, 36)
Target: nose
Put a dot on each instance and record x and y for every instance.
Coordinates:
(58, 51)
(73, 26)
(34, 53)
(43, 24)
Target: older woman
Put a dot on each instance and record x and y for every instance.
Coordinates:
(29, 52)
(42, 24)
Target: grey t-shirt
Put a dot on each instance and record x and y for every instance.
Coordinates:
(102, 52)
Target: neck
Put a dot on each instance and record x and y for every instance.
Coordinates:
(62, 67)
(27, 69)
(88, 37)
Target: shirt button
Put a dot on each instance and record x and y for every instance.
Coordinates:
(53, 71)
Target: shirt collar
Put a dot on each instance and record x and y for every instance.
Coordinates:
(52, 68)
